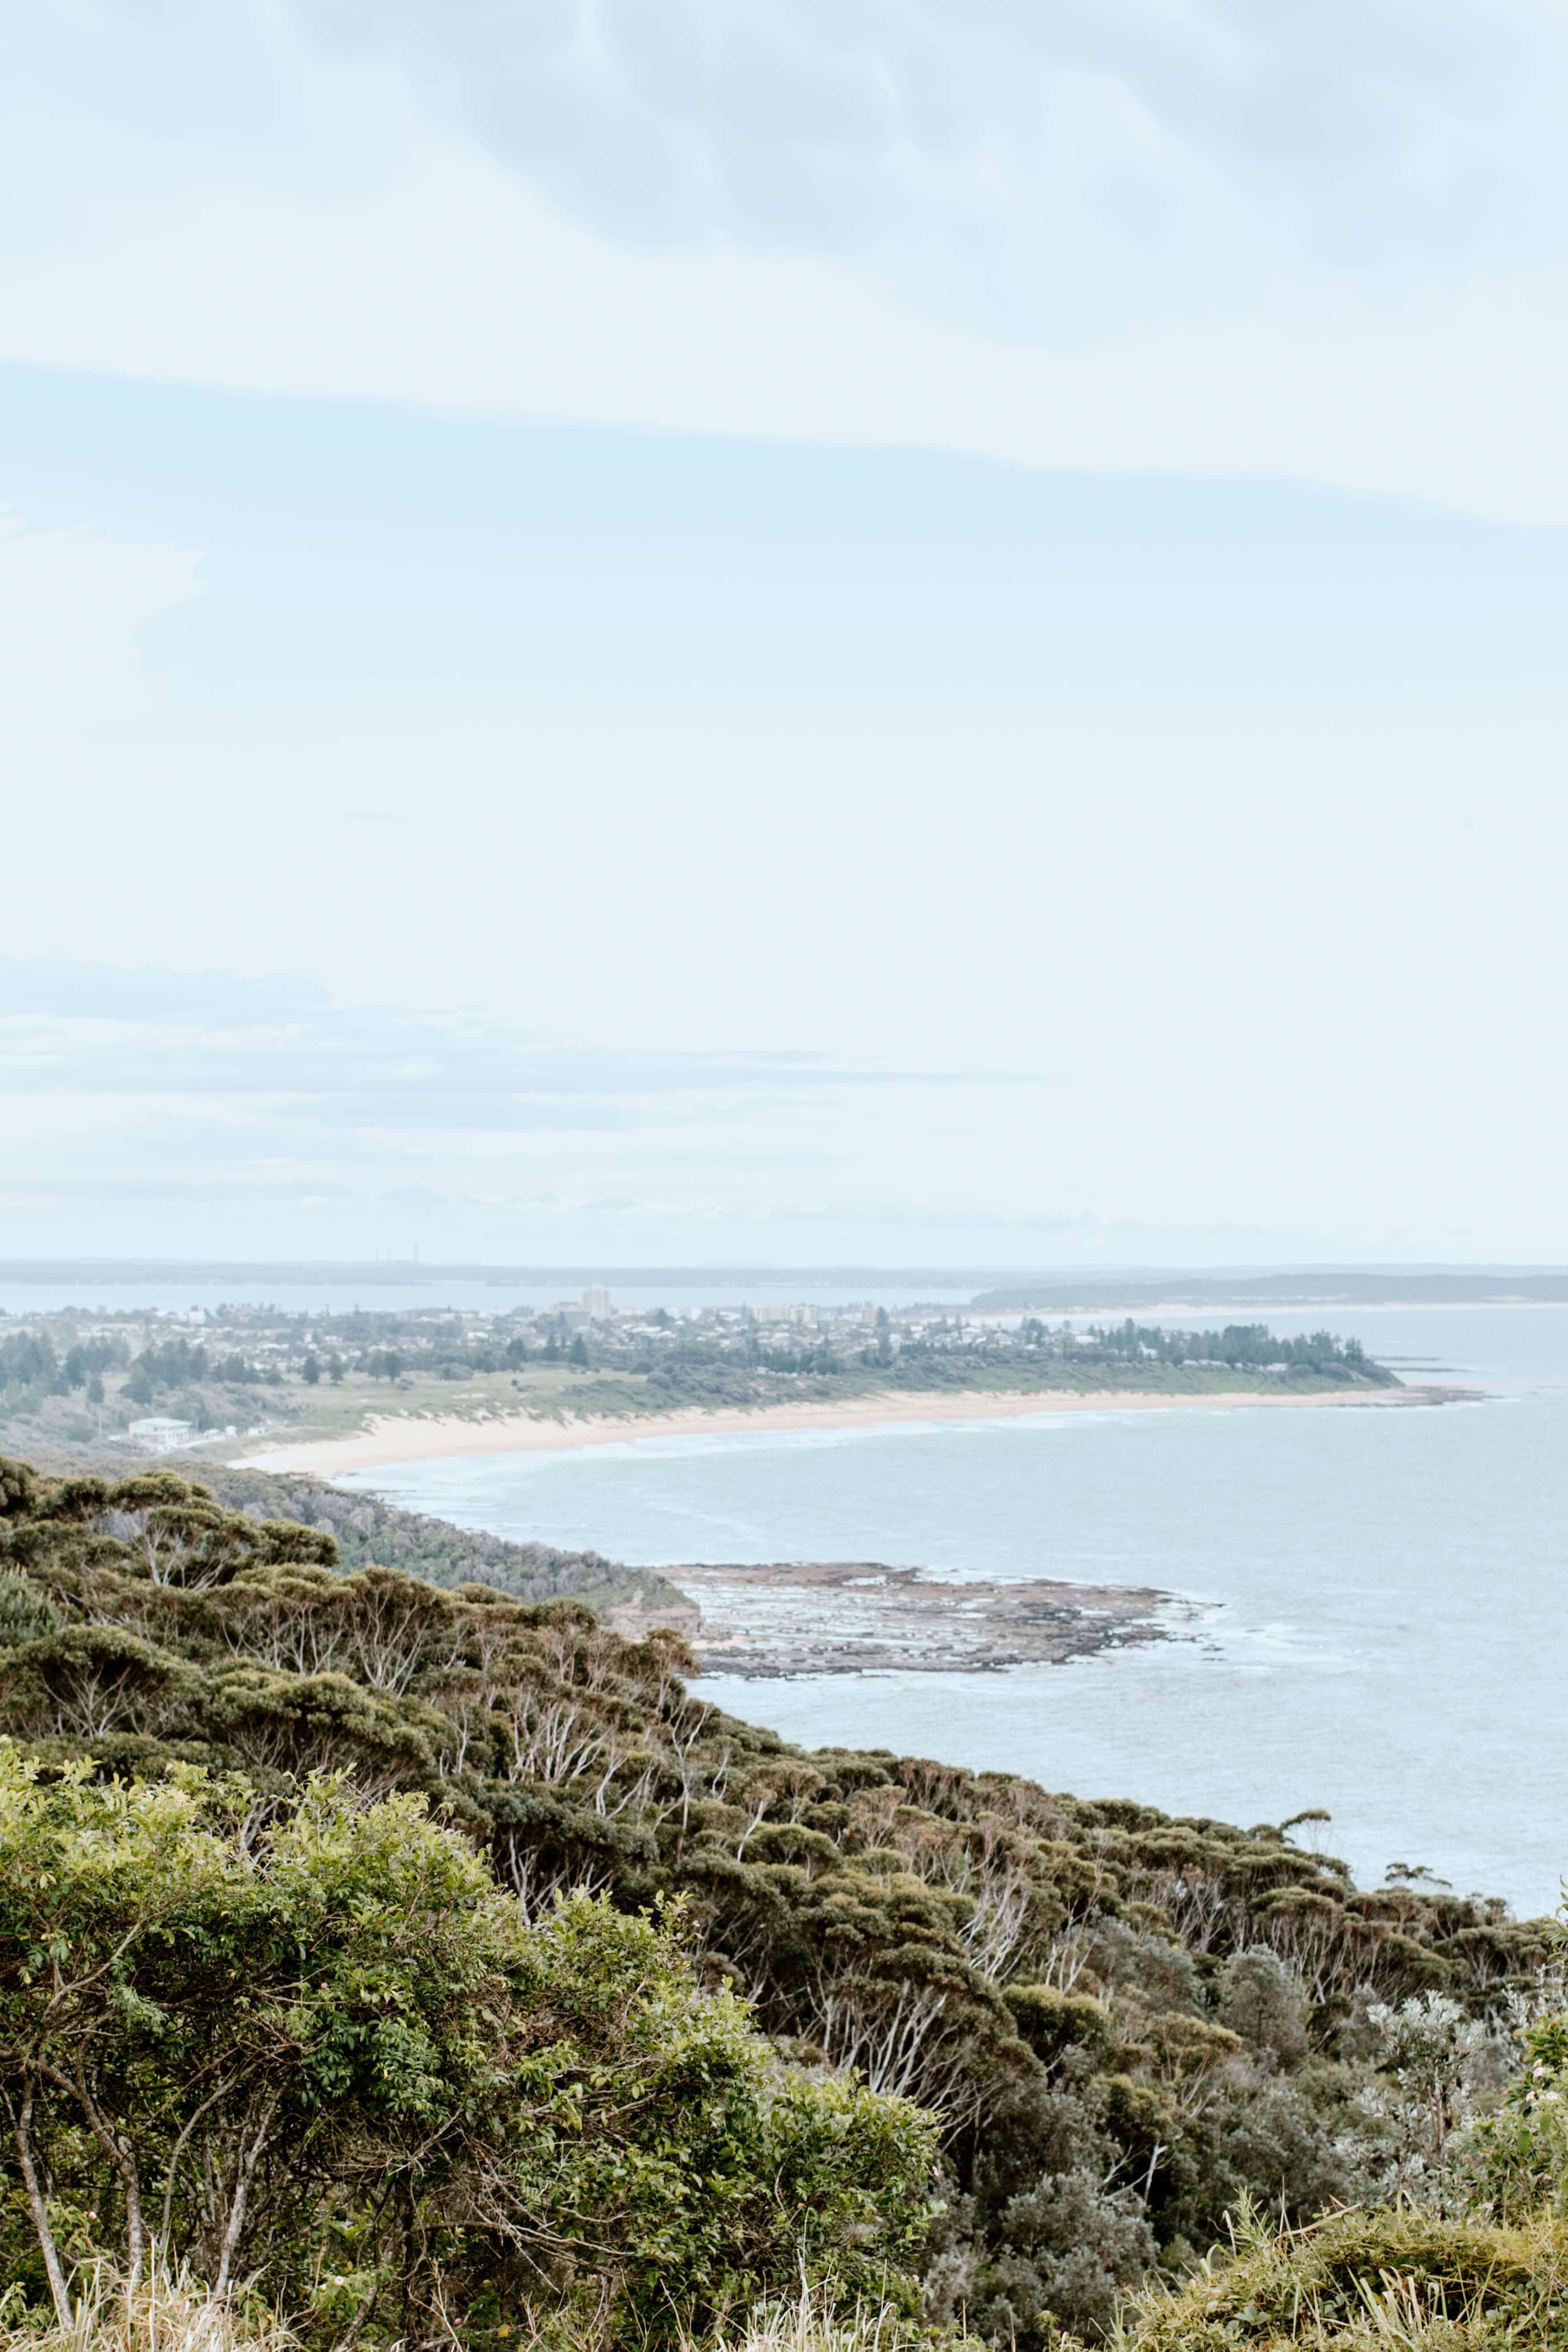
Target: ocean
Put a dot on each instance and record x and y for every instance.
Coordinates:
(1376, 1620)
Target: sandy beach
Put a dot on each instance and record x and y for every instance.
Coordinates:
(419, 1437)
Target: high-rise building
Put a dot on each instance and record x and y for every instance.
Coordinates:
(597, 1299)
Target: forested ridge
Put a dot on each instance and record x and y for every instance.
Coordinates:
(942, 2033)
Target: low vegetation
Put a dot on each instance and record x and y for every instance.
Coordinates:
(433, 1965)
(1395, 2279)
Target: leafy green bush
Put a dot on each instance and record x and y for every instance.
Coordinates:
(315, 2047)
(1514, 2161)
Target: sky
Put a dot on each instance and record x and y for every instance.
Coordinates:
(883, 632)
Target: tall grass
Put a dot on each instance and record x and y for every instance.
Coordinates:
(161, 2315)
(1392, 2280)
(164, 2314)
(808, 2324)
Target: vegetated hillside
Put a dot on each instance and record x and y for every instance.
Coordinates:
(367, 1530)
(1124, 2022)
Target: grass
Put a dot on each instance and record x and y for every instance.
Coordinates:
(164, 2314)
(1392, 2280)
(807, 2325)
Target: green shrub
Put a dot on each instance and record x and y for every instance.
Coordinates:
(315, 2047)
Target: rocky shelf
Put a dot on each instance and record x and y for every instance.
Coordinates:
(858, 1616)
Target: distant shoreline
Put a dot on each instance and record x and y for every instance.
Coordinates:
(407, 1437)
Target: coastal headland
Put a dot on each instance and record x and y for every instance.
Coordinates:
(388, 1438)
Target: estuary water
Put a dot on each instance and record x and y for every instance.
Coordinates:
(1380, 1598)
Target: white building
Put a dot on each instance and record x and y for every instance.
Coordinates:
(597, 1299)
(162, 1434)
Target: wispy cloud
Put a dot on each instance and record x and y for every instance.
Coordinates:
(44, 988)
(87, 1030)
(138, 1098)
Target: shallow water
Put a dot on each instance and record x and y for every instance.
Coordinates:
(1383, 1629)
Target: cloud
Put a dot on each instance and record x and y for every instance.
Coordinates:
(52, 987)
(145, 1108)
(1205, 236)
(1042, 167)
(1002, 153)
(87, 1030)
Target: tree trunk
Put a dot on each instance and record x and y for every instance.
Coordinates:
(240, 2199)
(59, 2291)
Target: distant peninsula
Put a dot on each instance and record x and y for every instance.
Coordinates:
(328, 1390)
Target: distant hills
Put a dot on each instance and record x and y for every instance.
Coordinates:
(1070, 1294)
(1055, 1290)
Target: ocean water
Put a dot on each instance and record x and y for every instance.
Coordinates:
(1379, 1600)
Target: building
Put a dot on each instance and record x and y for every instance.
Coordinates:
(597, 1299)
(161, 1435)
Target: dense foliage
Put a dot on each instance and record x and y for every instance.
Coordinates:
(1125, 2022)
(1251, 1347)
(1467, 2250)
(313, 2046)
(369, 1532)
(737, 1365)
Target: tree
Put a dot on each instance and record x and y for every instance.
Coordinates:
(310, 1371)
(315, 2046)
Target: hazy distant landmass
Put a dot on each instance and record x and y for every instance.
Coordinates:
(991, 1290)
(1452, 1285)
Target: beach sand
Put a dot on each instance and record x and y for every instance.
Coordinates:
(420, 1437)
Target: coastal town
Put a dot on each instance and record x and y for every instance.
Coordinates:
(224, 1379)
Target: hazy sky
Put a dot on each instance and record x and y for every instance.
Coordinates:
(795, 629)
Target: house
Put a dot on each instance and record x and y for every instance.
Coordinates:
(162, 1434)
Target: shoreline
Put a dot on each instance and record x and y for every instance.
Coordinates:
(393, 1438)
(856, 1617)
